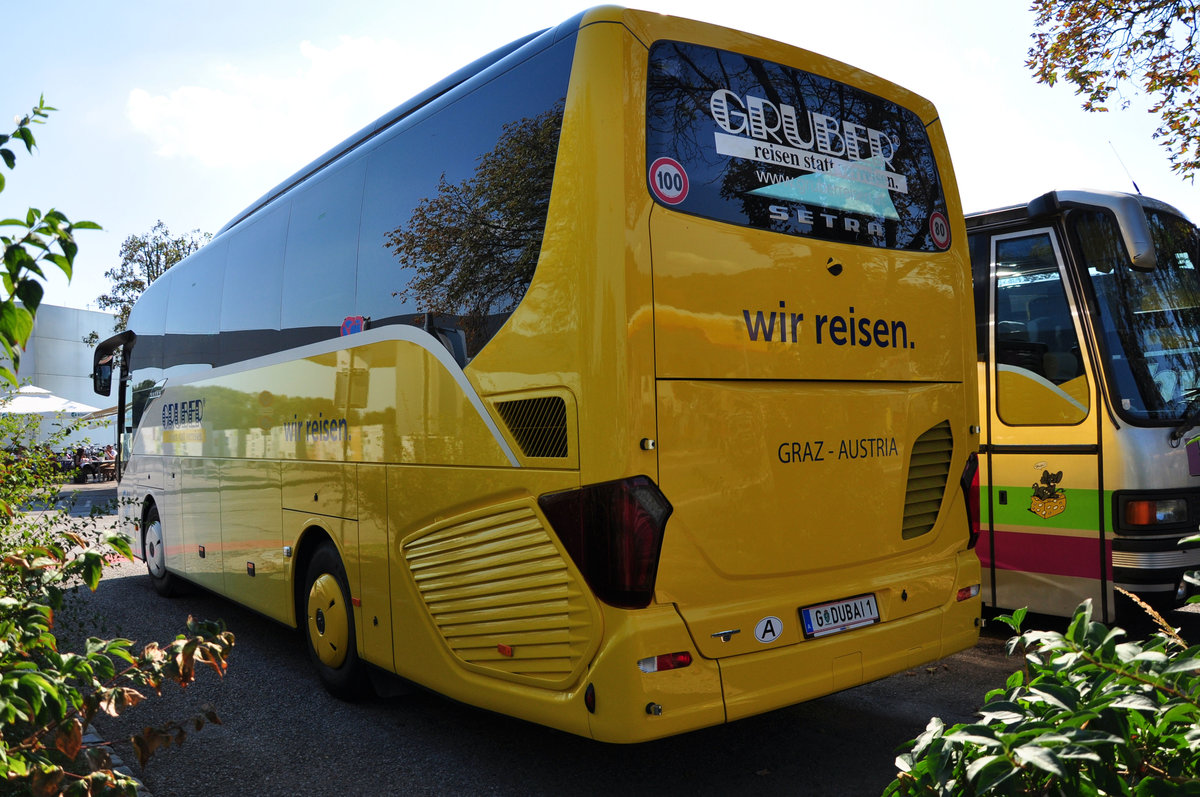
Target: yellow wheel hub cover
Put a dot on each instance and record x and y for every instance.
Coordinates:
(328, 623)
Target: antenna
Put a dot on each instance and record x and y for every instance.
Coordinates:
(1123, 166)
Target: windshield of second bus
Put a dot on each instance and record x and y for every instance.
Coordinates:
(1149, 322)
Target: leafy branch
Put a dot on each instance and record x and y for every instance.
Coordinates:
(40, 238)
(47, 697)
(1150, 45)
(48, 694)
(1089, 714)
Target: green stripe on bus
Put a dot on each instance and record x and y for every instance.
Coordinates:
(1080, 509)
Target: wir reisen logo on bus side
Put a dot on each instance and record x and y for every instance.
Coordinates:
(849, 329)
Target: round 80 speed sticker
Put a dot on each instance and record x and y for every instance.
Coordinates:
(939, 229)
(668, 181)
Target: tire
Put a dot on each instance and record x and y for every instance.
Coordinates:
(153, 549)
(329, 625)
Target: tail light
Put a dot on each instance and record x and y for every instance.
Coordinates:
(613, 533)
(665, 661)
(970, 488)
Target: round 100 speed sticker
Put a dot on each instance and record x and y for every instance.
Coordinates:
(939, 229)
(668, 181)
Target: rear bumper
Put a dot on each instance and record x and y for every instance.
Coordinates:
(781, 677)
(712, 691)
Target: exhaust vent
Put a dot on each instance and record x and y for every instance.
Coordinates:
(928, 470)
(539, 425)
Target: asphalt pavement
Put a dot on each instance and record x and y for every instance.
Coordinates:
(80, 500)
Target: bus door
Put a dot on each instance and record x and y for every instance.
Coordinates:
(1043, 543)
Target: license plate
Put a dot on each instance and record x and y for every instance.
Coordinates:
(837, 616)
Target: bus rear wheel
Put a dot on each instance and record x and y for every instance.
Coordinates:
(329, 624)
(153, 549)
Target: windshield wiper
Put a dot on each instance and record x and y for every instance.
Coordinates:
(1191, 416)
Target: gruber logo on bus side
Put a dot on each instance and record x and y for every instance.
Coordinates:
(774, 135)
(848, 165)
(181, 421)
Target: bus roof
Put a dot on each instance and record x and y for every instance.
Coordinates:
(1052, 202)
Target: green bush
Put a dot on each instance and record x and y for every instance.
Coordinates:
(47, 696)
(1089, 714)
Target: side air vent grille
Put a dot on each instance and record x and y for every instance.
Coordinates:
(928, 470)
(503, 598)
(539, 425)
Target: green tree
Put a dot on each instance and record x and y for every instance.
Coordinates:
(145, 258)
(39, 238)
(1149, 46)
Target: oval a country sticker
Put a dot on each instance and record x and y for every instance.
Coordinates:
(768, 630)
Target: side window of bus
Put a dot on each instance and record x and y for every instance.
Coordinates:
(149, 320)
(194, 310)
(145, 389)
(980, 245)
(456, 204)
(321, 252)
(1039, 365)
(251, 307)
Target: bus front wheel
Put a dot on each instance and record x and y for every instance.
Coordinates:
(153, 549)
(329, 624)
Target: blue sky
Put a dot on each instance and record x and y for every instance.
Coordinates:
(188, 112)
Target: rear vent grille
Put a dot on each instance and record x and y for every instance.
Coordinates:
(928, 470)
(503, 597)
(539, 425)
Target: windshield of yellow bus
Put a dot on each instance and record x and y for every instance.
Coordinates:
(1149, 321)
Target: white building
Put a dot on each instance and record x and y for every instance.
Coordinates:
(57, 359)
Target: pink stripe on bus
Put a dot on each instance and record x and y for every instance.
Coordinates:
(1051, 554)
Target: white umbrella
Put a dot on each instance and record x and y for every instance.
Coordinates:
(49, 410)
(31, 398)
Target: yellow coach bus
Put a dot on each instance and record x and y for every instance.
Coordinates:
(1088, 310)
(620, 382)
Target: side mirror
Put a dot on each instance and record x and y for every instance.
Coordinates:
(105, 355)
(1131, 218)
(102, 378)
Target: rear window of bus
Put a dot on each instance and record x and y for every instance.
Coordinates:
(754, 143)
